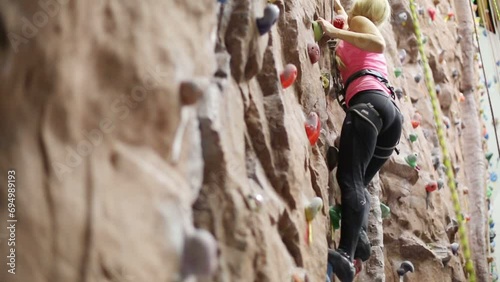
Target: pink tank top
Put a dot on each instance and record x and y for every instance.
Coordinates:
(355, 60)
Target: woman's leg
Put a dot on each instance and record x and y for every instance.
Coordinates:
(357, 145)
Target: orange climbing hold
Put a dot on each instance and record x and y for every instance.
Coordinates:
(415, 121)
(431, 186)
(313, 127)
(288, 75)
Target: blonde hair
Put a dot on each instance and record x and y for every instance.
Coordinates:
(377, 11)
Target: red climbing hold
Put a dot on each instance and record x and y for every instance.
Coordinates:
(313, 51)
(339, 21)
(358, 265)
(288, 75)
(415, 121)
(432, 13)
(431, 186)
(313, 127)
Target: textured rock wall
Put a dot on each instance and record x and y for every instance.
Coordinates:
(117, 169)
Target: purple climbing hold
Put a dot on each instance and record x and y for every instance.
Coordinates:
(498, 63)
(271, 13)
(199, 255)
(314, 52)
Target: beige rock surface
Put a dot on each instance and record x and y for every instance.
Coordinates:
(115, 172)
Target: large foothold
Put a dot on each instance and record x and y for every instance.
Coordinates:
(288, 75)
(314, 52)
(454, 248)
(318, 31)
(271, 14)
(313, 127)
(199, 256)
(405, 267)
(386, 210)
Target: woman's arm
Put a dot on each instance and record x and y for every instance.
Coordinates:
(362, 33)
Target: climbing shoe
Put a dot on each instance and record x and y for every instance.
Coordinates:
(332, 157)
(341, 265)
(364, 248)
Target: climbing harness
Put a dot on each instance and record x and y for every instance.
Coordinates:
(429, 82)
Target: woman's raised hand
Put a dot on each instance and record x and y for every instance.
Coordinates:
(327, 27)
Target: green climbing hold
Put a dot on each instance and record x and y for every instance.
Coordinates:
(489, 193)
(411, 160)
(488, 156)
(398, 72)
(335, 215)
(413, 137)
(318, 31)
(386, 210)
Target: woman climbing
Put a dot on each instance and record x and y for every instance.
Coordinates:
(372, 126)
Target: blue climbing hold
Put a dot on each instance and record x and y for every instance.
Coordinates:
(486, 136)
(271, 13)
(492, 224)
(222, 1)
(485, 33)
(493, 177)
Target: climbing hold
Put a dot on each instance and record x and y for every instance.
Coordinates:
(456, 169)
(485, 33)
(454, 74)
(461, 97)
(488, 84)
(466, 191)
(189, 93)
(339, 21)
(498, 63)
(438, 89)
(398, 72)
(335, 216)
(431, 186)
(421, 10)
(492, 224)
(199, 256)
(406, 266)
(402, 55)
(271, 14)
(446, 122)
(288, 75)
(255, 201)
(490, 259)
(454, 248)
(486, 136)
(440, 183)
(418, 77)
(432, 13)
(358, 265)
(402, 18)
(413, 137)
(411, 160)
(399, 93)
(424, 39)
(222, 1)
(488, 156)
(449, 16)
(311, 210)
(313, 207)
(313, 127)
(493, 177)
(467, 218)
(441, 56)
(415, 121)
(386, 210)
(313, 51)
(459, 38)
(325, 80)
(318, 31)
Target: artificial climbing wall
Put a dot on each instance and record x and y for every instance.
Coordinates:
(153, 141)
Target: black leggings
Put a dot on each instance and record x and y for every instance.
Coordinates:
(362, 153)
